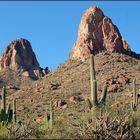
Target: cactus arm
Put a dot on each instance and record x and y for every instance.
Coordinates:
(9, 113)
(104, 93)
(134, 107)
(89, 103)
(8, 108)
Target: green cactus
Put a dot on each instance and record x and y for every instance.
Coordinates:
(134, 104)
(3, 102)
(50, 117)
(92, 68)
(8, 108)
(14, 110)
(93, 81)
(7, 115)
(94, 101)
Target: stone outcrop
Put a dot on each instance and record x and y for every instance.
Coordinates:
(97, 33)
(20, 57)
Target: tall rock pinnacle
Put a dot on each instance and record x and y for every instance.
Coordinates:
(20, 57)
(97, 33)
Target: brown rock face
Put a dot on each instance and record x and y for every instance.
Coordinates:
(97, 33)
(20, 57)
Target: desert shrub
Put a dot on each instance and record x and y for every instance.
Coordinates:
(135, 122)
(59, 131)
(106, 127)
(20, 130)
(3, 131)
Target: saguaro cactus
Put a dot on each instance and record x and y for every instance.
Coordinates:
(94, 102)
(7, 114)
(50, 117)
(3, 102)
(93, 81)
(135, 97)
(14, 110)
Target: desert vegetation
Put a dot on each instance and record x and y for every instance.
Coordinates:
(109, 117)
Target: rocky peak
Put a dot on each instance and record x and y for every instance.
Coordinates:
(20, 57)
(97, 33)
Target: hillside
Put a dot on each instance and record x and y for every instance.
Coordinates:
(72, 79)
(13, 80)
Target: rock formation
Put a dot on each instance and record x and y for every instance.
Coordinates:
(20, 57)
(97, 33)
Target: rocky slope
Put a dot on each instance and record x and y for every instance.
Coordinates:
(69, 86)
(97, 33)
(13, 80)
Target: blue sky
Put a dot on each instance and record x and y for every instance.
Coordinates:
(52, 27)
